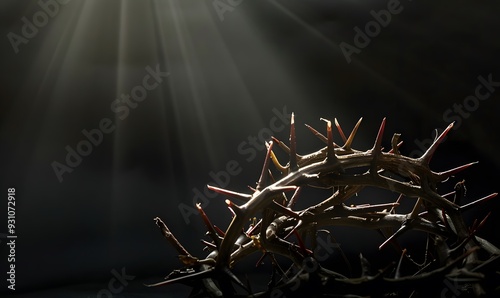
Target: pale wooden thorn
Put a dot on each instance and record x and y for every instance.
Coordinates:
(348, 143)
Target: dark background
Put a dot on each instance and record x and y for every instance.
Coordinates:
(225, 78)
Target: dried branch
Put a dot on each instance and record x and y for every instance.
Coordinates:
(452, 246)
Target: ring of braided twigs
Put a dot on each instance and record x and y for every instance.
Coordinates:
(454, 251)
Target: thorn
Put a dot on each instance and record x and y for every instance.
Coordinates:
(446, 174)
(348, 143)
(276, 265)
(393, 209)
(282, 145)
(275, 189)
(261, 260)
(252, 229)
(463, 256)
(185, 278)
(298, 225)
(473, 231)
(448, 194)
(265, 167)
(331, 147)
(210, 228)
(481, 224)
(208, 244)
(219, 231)
(341, 132)
(397, 146)
(294, 197)
(229, 193)
(388, 231)
(283, 210)
(414, 213)
(473, 227)
(271, 176)
(482, 200)
(170, 237)
(402, 229)
(377, 148)
(236, 209)
(317, 134)
(293, 146)
(372, 208)
(303, 248)
(398, 268)
(426, 157)
(365, 265)
(232, 211)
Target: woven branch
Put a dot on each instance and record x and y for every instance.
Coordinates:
(454, 251)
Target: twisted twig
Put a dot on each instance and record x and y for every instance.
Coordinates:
(346, 172)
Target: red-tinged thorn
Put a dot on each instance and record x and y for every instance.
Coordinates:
(204, 215)
(293, 145)
(317, 134)
(264, 173)
(396, 203)
(481, 224)
(377, 147)
(229, 193)
(294, 229)
(341, 132)
(252, 229)
(271, 176)
(210, 244)
(449, 173)
(282, 145)
(261, 260)
(482, 200)
(283, 210)
(186, 278)
(219, 231)
(473, 227)
(397, 146)
(209, 225)
(331, 148)
(426, 157)
(301, 243)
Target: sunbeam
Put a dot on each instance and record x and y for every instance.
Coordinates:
(114, 113)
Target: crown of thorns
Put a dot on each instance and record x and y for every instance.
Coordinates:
(453, 251)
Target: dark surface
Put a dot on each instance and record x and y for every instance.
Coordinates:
(225, 79)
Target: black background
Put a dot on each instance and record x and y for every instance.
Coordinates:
(225, 78)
